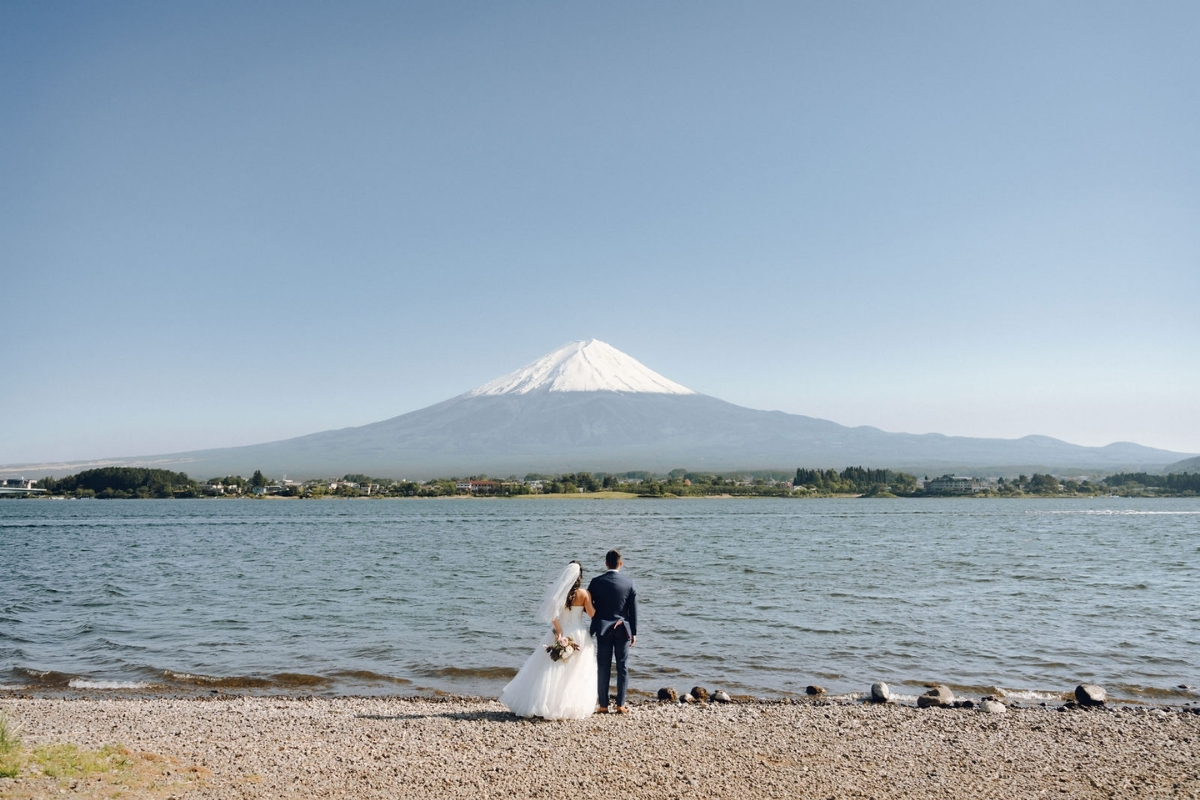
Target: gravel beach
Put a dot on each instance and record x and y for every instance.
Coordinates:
(268, 747)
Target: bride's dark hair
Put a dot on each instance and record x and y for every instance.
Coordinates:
(575, 588)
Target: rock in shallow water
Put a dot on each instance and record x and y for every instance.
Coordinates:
(937, 697)
(815, 690)
(880, 692)
(1087, 694)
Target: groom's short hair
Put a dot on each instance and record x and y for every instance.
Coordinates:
(612, 558)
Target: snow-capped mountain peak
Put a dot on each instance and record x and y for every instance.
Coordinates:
(588, 366)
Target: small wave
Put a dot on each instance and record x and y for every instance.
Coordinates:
(1028, 694)
(467, 672)
(1153, 692)
(1112, 512)
(47, 677)
(79, 683)
(369, 676)
(964, 689)
(278, 680)
(219, 682)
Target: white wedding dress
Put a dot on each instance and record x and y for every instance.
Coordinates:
(557, 689)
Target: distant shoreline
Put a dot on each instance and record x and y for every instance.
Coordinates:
(851, 482)
(633, 496)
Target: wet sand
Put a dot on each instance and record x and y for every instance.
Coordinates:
(262, 747)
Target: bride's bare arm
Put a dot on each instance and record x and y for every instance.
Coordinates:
(588, 608)
(557, 627)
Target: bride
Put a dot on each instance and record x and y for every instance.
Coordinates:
(563, 689)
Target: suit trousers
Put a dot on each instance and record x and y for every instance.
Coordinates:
(615, 644)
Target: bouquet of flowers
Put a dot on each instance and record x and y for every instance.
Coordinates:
(563, 648)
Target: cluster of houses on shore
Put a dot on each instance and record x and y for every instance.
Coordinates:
(19, 487)
(946, 484)
(286, 487)
(219, 487)
(953, 484)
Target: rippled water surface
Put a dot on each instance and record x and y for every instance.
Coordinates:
(758, 596)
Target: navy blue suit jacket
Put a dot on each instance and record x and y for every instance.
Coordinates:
(615, 601)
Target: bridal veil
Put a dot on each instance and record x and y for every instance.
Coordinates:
(555, 600)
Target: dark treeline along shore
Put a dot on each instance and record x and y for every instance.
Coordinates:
(137, 482)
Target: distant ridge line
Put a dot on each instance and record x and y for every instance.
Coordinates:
(586, 406)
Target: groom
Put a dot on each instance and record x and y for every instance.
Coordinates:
(614, 626)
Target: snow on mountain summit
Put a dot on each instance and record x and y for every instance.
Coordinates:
(590, 366)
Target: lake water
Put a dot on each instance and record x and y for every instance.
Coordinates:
(760, 597)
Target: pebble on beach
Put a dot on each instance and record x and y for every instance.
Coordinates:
(880, 693)
(938, 697)
(990, 706)
(669, 694)
(721, 696)
(1088, 694)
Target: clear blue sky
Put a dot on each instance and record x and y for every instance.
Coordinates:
(227, 223)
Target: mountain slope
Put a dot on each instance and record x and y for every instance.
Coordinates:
(614, 431)
(1187, 465)
(562, 413)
